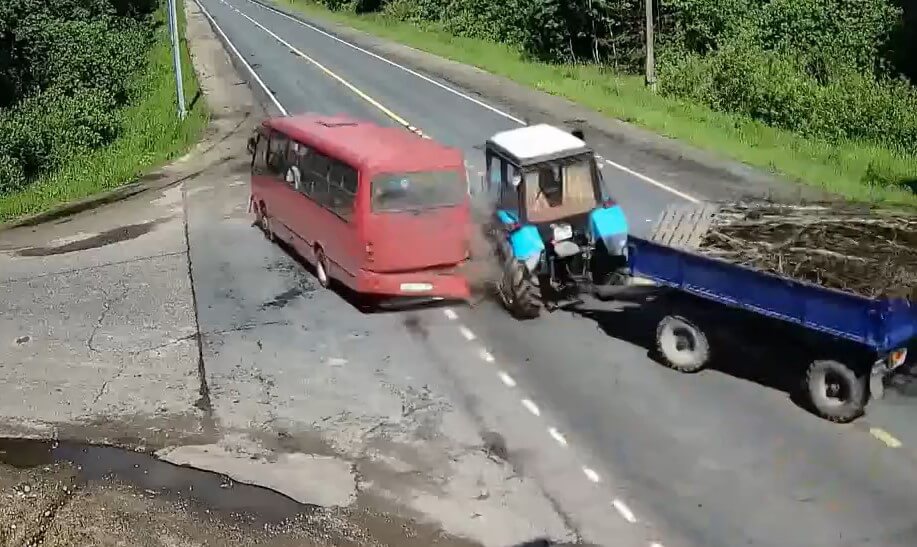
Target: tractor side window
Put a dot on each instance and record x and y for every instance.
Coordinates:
(493, 178)
(509, 194)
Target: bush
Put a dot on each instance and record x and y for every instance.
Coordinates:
(65, 68)
(778, 90)
(47, 130)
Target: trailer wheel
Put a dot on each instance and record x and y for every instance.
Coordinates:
(836, 391)
(682, 345)
(518, 290)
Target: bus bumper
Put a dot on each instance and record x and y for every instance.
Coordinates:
(419, 285)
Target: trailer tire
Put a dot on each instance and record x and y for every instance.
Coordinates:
(518, 290)
(828, 375)
(681, 344)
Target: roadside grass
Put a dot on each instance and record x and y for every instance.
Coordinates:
(857, 171)
(151, 135)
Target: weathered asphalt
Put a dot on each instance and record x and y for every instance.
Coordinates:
(716, 459)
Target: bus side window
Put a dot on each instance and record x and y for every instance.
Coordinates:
(277, 154)
(305, 162)
(296, 157)
(341, 178)
(318, 178)
(259, 159)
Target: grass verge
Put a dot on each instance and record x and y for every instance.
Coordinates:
(151, 135)
(857, 171)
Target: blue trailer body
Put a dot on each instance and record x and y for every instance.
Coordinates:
(881, 325)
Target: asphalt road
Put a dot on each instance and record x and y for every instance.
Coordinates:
(723, 458)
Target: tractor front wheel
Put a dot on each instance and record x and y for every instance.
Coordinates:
(518, 291)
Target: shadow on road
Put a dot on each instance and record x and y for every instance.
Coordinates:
(367, 304)
(738, 350)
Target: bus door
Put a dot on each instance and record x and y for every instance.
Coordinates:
(277, 189)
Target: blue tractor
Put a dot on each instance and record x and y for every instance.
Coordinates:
(556, 231)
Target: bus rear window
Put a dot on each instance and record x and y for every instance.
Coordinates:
(393, 192)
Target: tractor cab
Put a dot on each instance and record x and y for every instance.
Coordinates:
(553, 224)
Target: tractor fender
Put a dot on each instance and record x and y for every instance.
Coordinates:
(609, 224)
(527, 245)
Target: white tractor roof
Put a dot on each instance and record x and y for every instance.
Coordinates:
(536, 141)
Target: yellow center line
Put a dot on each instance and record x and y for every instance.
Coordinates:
(385, 110)
(885, 437)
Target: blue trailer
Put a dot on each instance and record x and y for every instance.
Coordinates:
(851, 342)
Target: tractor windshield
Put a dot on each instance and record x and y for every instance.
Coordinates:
(560, 189)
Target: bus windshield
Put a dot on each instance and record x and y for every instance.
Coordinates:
(395, 192)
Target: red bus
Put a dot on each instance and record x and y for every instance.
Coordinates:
(378, 209)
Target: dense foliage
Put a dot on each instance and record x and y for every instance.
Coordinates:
(65, 70)
(831, 69)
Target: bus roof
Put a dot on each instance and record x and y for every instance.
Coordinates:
(366, 145)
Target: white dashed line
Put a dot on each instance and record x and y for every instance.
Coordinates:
(507, 379)
(624, 510)
(487, 356)
(557, 436)
(532, 407)
(450, 314)
(591, 474)
(466, 332)
(654, 544)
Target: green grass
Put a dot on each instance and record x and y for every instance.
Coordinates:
(843, 169)
(151, 136)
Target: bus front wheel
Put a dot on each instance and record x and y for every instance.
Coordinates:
(263, 221)
(321, 268)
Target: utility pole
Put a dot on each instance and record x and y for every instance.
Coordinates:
(650, 55)
(176, 58)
